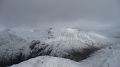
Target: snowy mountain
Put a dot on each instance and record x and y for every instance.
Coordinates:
(105, 57)
(67, 43)
(14, 48)
(64, 43)
(70, 41)
(11, 46)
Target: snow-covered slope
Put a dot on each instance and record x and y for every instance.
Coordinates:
(74, 36)
(47, 61)
(65, 43)
(106, 57)
(69, 41)
(7, 37)
(32, 34)
(72, 44)
(11, 46)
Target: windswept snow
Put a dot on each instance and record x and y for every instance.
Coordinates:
(47, 61)
(74, 36)
(73, 40)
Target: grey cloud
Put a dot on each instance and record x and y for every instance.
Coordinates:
(33, 12)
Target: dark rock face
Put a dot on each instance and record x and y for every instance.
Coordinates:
(81, 55)
(33, 43)
(17, 58)
(37, 48)
(43, 49)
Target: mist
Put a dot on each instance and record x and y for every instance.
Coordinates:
(85, 14)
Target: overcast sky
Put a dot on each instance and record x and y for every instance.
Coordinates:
(40, 12)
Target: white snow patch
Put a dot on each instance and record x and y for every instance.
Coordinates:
(47, 61)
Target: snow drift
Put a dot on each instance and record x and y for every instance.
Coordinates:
(47, 61)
